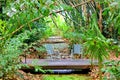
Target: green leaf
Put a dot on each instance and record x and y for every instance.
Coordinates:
(45, 11)
(117, 54)
(66, 7)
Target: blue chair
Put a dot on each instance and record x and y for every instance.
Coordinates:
(77, 50)
(51, 53)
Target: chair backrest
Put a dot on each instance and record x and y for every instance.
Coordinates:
(49, 48)
(77, 49)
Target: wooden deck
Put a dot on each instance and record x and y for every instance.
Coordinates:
(60, 64)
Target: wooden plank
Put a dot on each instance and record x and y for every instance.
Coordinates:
(60, 64)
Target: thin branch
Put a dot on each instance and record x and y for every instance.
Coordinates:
(18, 29)
(71, 19)
(54, 22)
(82, 3)
(29, 27)
(35, 19)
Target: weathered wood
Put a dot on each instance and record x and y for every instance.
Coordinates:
(60, 64)
(55, 39)
(53, 42)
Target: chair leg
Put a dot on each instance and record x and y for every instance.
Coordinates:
(25, 58)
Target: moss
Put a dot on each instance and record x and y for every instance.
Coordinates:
(66, 77)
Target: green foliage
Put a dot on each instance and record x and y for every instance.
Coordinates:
(81, 16)
(39, 69)
(34, 35)
(10, 62)
(26, 23)
(58, 25)
(65, 77)
(3, 32)
(41, 49)
(66, 7)
(111, 21)
(96, 45)
(23, 13)
(11, 48)
(113, 71)
(114, 46)
(97, 48)
(2, 27)
(74, 37)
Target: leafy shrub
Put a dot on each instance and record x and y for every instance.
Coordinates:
(9, 57)
(112, 70)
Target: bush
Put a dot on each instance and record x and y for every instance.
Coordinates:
(112, 72)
